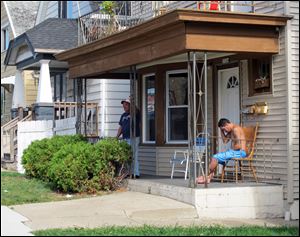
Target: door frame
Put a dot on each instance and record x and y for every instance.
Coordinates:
(219, 89)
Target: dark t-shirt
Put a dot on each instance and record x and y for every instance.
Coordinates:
(125, 124)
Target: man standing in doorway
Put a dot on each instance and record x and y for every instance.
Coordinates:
(124, 129)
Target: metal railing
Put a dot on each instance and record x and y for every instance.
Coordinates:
(96, 25)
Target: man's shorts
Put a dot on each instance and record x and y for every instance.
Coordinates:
(223, 157)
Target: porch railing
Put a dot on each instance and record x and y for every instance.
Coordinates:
(9, 138)
(86, 114)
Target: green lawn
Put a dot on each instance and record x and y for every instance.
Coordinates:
(173, 231)
(17, 189)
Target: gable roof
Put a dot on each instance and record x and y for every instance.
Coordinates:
(21, 15)
(51, 36)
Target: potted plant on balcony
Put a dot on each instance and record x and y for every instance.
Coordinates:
(109, 8)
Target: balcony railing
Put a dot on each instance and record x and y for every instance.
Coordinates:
(96, 25)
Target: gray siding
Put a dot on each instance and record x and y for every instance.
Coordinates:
(147, 160)
(164, 154)
(269, 7)
(294, 46)
(115, 91)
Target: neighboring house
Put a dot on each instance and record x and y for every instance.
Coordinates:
(58, 98)
(106, 93)
(252, 75)
(16, 18)
(244, 58)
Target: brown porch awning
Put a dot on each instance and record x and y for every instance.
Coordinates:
(174, 33)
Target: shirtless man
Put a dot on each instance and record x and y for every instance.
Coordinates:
(229, 131)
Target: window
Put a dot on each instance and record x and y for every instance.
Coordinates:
(70, 10)
(149, 108)
(260, 76)
(2, 101)
(4, 38)
(65, 9)
(177, 106)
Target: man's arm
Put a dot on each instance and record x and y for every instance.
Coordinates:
(119, 132)
(224, 137)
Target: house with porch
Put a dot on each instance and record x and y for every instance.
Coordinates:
(60, 25)
(184, 69)
(190, 67)
(15, 93)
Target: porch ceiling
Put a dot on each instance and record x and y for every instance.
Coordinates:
(175, 33)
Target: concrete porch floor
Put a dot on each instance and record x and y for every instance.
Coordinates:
(219, 200)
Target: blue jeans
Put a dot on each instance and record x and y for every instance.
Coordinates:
(223, 157)
(136, 161)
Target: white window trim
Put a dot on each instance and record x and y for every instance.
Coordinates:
(167, 107)
(144, 108)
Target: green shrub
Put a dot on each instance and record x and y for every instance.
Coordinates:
(71, 167)
(83, 167)
(37, 156)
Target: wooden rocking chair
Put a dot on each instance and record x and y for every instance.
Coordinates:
(250, 136)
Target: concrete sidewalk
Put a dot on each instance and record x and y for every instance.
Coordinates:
(12, 223)
(120, 209)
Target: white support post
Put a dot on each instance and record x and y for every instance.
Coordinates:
(44, 90)
(18, 94)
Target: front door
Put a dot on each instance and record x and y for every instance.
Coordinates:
(229, 98)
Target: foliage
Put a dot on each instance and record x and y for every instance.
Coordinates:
(72, 165)
(37, 156)
(173, 231)
(71, 168)
(108, 7)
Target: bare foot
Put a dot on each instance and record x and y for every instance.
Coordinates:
(202, 180)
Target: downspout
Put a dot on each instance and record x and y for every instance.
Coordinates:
(288, 60)
(103, 103)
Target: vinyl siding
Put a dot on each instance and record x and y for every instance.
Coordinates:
(6, 71)
(164, 154)
(269, 7)
(273, 126)
(147, 160)
(116, 90)
(294, 46)
(30, 87)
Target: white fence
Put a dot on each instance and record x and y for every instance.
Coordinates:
(65, 126)
(28, 132)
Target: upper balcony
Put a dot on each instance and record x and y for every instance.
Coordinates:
(97, 25)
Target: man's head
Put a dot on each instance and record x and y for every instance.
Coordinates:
(225, 125)
(126, 105)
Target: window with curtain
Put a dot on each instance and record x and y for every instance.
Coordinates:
(149, 108)
(177, 106)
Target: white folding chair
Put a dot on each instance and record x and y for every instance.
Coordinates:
(180, 157)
